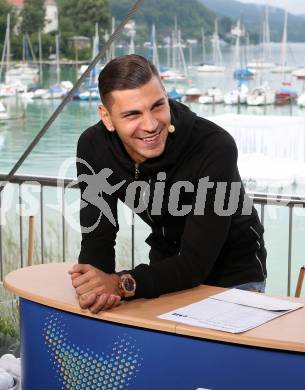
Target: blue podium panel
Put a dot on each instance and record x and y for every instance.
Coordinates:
(61, 350)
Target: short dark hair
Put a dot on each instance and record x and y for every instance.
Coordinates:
(126, 72)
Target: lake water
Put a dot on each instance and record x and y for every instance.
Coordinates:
(284, 173)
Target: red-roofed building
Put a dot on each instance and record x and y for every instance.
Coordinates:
(16, 3)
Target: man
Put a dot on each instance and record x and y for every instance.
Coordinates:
(179, 173)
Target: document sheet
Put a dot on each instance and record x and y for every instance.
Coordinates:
(233, 311)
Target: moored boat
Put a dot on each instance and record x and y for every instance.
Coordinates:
(237, 96)
(301, 100)
(213, 96)
(192, 94)
(299, 73)
(285, 95)
(175, 94)
(3, 112)
(261, 96)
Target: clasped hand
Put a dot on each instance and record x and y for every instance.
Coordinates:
(95, 289)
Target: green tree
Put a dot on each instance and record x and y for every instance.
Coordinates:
(78, 17)
(191, 17)
(4, 10)
(33, 16)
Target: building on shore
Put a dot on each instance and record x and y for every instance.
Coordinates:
(51, 15)
(51, 18)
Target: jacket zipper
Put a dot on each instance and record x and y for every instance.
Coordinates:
(136, 171)
(259, 245)
(260, 263)
(255, 232)
(163, 231)
(147, 211)
(136, 175)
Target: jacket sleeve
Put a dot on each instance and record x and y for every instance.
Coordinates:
(98, 232)
(203, 236)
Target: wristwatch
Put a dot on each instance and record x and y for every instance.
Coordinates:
(127, 285)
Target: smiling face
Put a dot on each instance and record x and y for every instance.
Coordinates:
(141, 118)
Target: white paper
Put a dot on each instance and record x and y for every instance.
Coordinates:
(228, 316)
(252, 299)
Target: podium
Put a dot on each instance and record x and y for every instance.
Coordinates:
(129, 347)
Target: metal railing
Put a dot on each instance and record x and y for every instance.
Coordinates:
(263, 200)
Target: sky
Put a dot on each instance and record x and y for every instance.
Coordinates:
(292, 6)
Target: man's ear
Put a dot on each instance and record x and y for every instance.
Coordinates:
(105, 117)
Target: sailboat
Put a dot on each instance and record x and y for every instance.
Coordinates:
(2, 136)
(61, 88)
(299, 73)
(217, 66)
(16, 113)
(24, 72)
(130, 32)
(242, 72)
(213, 95)
(237, 96)
(192, 94)
(301, 100)
(261, 96)
(171, 75)
(264, 61)
(165, 72)
(175, 94)
(153, 49)
(92, 92)
(285, 95)
(111, 52)
(14, 87)
(283, 67)
(178, 71)
(3, 112)
(95, 50)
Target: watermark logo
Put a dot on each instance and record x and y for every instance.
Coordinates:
(94, 186)
(98, 190)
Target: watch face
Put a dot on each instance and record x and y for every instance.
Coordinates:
(129, 284)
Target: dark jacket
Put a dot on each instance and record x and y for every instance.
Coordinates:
(186, 250)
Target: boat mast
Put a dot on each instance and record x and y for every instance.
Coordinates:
(168, 52)
(40, 58)
(155, 57)
(182, 63)
(132, 33)
(203, 46)
(112, 50)
(6, 48)
(27, 37)
(246, 49)
(217, 56)
(23, 49)
(284, 46)
(237, 57)
(8, 42)
(95, 51)
(266, 53)
(175, 42)
(57, 58)
(268, 49)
